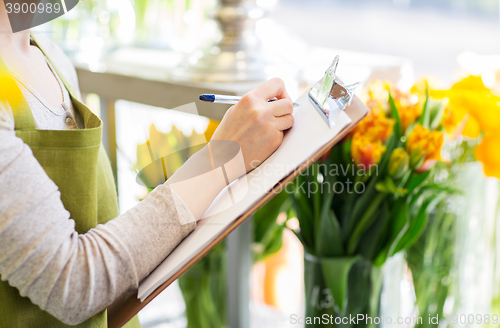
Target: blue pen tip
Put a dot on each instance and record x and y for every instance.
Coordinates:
(205, 97)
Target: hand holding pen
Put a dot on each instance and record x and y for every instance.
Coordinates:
(256, 124)
(230, 100)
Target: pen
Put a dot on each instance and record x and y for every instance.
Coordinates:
(230, 100)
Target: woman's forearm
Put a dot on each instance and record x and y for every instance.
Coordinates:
(74, 276)
(206, 173)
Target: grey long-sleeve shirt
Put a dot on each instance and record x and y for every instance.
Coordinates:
(74, 276)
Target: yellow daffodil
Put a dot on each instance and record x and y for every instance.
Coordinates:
(366, 151)
(471, 83)
(472, 108)
(424, 147)
(474, 111)
(457, 121)
(484, 108)
(487, 153)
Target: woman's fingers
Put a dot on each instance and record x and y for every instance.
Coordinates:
(284, 122)
(281, 107)
(255, 124)
(274, 88)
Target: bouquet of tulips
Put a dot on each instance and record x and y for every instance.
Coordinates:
(472, 123)
(366, 200)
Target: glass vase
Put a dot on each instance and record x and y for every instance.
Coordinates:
(338, 289)
(453, 262)
(474, 256)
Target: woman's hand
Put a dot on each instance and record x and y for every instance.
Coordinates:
(256, 124)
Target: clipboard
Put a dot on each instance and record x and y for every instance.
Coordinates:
(128, 305)
(335, 115)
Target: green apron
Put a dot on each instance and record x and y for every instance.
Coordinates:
(77, 163)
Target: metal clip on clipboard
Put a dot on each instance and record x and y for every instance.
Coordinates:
(330, 96)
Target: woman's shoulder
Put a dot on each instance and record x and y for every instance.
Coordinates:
(58, 59)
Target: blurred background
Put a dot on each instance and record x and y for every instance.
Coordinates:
(428, 32)
(138, 61)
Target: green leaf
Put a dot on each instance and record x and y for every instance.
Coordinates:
(361, 202)
(370, 243)
(267, 232)
(365, 222)
(316, 195)
(387, 186)
(381, 187)
(272, 242)
(305, 234)
(377, 281)
(417, 225)
(425, 117)
(265, 217)
(336, 152)
(336, 274)
(400, 221)
(436, 110)
(329, 234)
(304, 215)
(360, 288)
(346, 151)
(398, 127)
(414, 231)
(299, 236)
(416, 179)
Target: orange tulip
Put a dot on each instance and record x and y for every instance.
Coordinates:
(377, 99)
(409, 114)
(376, 125)
(424, 146)
(409, 106)
(366, 151)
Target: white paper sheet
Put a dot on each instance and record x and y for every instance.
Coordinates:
(309, 133)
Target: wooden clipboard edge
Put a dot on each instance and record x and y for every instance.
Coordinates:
(128, 305)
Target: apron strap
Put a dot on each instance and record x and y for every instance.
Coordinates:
(89, 118)
(47, 54)
(10, 93)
